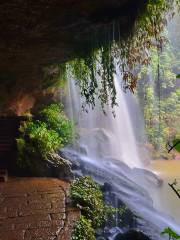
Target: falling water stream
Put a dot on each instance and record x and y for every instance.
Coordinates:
(106, 149)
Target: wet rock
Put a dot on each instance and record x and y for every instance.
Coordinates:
(61, 168)
(83, 149)
(72, 157)
(99, 232)
(132, 235)
(106, 187)
(98, 140)
(148, 176)
(123, 168)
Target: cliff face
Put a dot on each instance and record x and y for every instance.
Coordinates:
(37, 33)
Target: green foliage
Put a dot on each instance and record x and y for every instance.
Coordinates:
(178, 76)
(20, 149)
(56, 120)
(54, 76)
(83, 230)
(94, 73)
(159, 97)
(86, 194)
(176, 144)
(36, 141)
(39, 138)
(88, 197)
(172, 235)
(94, 76)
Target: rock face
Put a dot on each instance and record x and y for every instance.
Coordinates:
(53, 166)
(35, 208)
(61, 167)
(37, 33)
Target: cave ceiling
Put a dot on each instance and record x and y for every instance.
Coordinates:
(38, 33)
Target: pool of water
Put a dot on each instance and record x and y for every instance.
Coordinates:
(164, 197)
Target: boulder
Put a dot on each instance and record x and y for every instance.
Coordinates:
(148, 176)
(61, 168)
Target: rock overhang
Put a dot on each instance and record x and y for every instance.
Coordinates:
(38, 33)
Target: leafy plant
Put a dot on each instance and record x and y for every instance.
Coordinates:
(21, 145)
(88, 197)
(172, 235)
(56, 120)
(40, 138)
(86, 194)
(36, 141)
(83, 230)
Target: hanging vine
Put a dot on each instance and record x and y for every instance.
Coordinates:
(94, 73)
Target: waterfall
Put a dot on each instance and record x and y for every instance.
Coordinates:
(106, 146)
(105, 135)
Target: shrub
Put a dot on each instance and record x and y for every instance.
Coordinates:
(20, 149)
(39, 138)
(87, 194)
(35, 141)
(56, 120)
(83, 230)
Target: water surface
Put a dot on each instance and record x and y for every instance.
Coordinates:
(164, 197)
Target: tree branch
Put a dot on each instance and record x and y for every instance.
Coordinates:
(174, 189)
(172, 147)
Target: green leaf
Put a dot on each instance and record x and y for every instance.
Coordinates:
(171, 233)
(178, 76)
(87, 194)
(176, 144)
